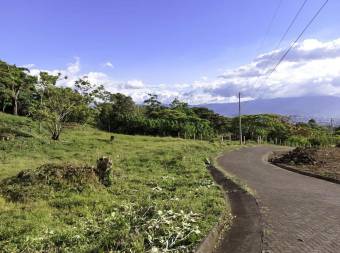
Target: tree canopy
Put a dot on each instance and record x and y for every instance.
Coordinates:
(86, 102)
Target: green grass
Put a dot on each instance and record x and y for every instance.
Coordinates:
(162, 196)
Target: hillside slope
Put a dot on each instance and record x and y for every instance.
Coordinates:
(162, 196)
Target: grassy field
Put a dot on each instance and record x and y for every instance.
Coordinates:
(162, 198)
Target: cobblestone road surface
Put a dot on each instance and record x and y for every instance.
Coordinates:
(299, 213)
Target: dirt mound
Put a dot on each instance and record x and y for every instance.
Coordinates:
(299, 156)
(51, 179)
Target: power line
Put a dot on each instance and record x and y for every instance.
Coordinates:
(297, 39)
(291, 23)
(276, 11)
(269, 26)
(285, 33)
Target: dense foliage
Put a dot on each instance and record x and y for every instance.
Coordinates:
(86, 102)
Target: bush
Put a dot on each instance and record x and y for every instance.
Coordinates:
(315, 142)
(320, 141)
(298, 141)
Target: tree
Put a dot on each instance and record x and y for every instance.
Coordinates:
(46, 82)
(56, 106)
(5, 98)
(105, 116)
(122, 104)
(15, 80)
(46, 79)
(113, 113)
(152, 105)
(221, 124)
(312, 123)
(267, 126)
(90, 91)
(176, 104)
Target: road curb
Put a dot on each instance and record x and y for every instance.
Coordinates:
(293, 169)
(246, 232)
(296, 170)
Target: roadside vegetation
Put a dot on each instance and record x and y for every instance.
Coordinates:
(41, 99)
(161, 199)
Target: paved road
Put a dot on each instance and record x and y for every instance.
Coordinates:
(300, 213)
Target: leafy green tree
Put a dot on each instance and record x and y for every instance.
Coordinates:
(178, 105)
(5, 98)
(104, 119)
(46, 80)
(91, 91)
(45, 83)
(113, 114)
(122, 104)
(267, 126)
(56, 106)
(93, 95)
(14, 80)
(152, 105)
(221, 124)
(312, 123)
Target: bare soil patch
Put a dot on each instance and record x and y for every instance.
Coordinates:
(324, 162)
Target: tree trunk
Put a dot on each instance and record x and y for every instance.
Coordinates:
(15, 105)
(55, 136)
(56, 131)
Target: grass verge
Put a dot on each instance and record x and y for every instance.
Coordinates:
(230, 176)
(162, 197)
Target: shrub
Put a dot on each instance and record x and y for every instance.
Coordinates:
(320, 141)
(298, 141)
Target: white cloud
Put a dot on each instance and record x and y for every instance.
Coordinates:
(74, 67)
(134, 84)
(311, 68)
(108, 64)
(29, 66)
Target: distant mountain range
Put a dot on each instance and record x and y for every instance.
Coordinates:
(321, 108)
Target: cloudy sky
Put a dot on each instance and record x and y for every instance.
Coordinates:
(199, 51)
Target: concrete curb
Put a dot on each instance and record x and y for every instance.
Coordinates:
(296, 170)
(293, 169)
(245, 234)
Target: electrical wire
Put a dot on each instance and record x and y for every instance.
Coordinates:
(285, 33)
(291, 23)
(269, 27)
(297, 39)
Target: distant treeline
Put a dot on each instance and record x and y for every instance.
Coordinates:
(53, 106)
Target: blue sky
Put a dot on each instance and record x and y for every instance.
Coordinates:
(160, 43)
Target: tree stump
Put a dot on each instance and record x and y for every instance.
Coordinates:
(104, 170)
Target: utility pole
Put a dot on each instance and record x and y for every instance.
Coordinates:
(239, 117)
(332, 126)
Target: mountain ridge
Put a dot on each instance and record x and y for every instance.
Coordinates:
(322, 108)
